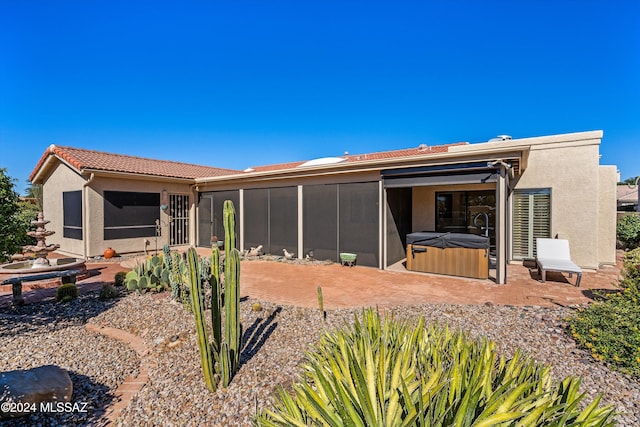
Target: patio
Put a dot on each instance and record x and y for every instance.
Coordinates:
(345, 287)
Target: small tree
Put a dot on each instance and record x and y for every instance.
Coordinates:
(12, 230)
(631, 181)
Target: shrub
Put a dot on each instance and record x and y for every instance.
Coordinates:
(609, 328)
(390, 373)
(12, 229)
(119, 278)
(631, 269)
(628, 230)
(66, 292)
(108, 291)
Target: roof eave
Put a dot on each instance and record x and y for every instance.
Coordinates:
(137, 176)
(370, 165)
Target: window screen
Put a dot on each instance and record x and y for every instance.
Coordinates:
(342, 218)
(271, 219)
(130, 214)
(359, 226)
(256, 219)
(531, 220)
(72, 214)
(283, 220)
(320, 229)
(205, 220)
(210, 218)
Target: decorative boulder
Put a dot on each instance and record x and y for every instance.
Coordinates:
(43, 384)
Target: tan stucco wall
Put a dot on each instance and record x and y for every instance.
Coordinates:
(607, 215)
(95, 207)
(423, 211)
(61, 179)
(572, 173)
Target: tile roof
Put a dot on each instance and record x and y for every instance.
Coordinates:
(80, 158)
(627, 194)
(352, 158)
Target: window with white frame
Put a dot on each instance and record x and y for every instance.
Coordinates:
(531, 220)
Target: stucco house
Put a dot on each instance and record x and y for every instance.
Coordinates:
(549, 186)
(627, 198)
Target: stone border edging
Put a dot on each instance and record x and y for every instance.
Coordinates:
(131, 385)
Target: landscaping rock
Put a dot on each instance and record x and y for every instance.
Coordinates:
(32, 386)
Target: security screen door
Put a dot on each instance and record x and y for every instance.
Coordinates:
(179, 224)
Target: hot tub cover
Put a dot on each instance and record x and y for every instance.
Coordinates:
(448, 240)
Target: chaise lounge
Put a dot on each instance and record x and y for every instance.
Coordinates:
(554, 255)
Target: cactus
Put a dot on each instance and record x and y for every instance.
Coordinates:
(166, 257)
(233, 329)
(220, 356)
(206, 353)
(66, 292)
(321, 303)
(150, 275)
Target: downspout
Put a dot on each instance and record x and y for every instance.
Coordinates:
(84, 214)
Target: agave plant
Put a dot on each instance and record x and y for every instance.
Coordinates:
(389, 373)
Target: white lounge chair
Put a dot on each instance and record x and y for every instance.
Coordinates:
(553, 255)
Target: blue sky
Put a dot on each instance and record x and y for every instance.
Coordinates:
(239, 84)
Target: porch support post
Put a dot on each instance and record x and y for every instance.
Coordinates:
(384, 228)
(501, 227)
(381, 230)
(300, 224)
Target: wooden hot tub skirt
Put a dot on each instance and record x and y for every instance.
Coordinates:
(462, 262)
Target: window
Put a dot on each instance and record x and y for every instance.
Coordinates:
(72, 214)
(467, 212)
(531, 220)
(129, 214)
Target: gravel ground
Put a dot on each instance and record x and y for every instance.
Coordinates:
(49, 333)
(276, 339)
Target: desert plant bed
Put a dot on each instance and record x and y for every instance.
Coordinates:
(275, 342)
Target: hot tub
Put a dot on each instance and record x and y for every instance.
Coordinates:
(455, 254)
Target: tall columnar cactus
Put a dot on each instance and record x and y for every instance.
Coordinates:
(197, 304)
(233, 332)
(220, 355)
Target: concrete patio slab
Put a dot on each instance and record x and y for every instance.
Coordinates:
(343, 287)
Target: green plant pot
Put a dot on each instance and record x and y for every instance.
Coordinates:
(347, 258)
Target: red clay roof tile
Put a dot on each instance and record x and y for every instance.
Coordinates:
(109, 162)
(394, 154)
(89, 159)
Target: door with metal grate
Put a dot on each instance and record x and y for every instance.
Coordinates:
(179, 212)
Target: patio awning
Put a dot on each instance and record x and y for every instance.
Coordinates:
(467, 173)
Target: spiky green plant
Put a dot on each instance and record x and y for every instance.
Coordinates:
(219, 353)
(390, 373)
(152, 274)
(321, 303)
